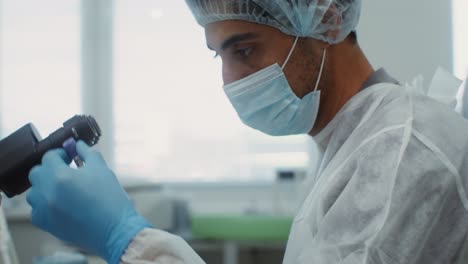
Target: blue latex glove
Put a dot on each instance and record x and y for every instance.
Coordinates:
(86, 207)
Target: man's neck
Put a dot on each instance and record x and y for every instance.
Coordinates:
(347, 70)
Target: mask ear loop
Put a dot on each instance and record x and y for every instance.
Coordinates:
(321, 69)
(290, 53)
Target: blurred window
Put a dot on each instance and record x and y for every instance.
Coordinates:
(40, 63)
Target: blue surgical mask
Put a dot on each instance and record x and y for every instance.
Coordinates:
(266, 102)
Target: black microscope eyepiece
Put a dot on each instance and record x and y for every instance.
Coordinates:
(84, 128)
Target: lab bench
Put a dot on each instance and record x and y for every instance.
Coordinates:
(241, 238)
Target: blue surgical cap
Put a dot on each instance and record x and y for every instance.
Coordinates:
(327, 20)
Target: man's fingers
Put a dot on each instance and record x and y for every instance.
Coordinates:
(88, 155)
(56, 157)
(84, 151)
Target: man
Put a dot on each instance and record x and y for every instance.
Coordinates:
(392, 185)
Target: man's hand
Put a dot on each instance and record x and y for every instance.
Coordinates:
(86, 207)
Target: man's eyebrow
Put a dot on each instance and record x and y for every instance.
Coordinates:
(234, 39)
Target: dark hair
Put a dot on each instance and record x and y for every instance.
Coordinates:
(353, 37)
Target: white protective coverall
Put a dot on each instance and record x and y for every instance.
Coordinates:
(392, 188)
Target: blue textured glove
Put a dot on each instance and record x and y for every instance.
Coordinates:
(86, 207)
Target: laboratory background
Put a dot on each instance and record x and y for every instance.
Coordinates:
(142, 69)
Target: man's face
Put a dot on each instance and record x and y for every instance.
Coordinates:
(247, 47)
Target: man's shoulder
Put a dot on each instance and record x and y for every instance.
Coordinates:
(426, 122)
(420, 112)
(403, 112)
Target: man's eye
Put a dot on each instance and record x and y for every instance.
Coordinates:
(244, 52)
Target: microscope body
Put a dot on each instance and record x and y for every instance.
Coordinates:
(17, 158)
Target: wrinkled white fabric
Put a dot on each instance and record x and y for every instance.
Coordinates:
(391, 188)
(153, 246)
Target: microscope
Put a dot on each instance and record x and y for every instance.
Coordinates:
(23, 149)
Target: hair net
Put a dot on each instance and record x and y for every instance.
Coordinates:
(327, 20)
